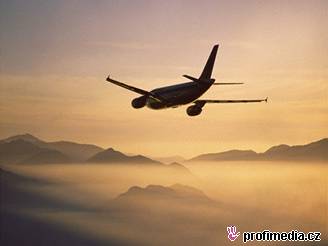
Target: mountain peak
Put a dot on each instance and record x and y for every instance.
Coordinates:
(158, 192)
(113, 156)
(178, 167)
(26, 137)
(278, 148)
(175, 164)
(19, 145)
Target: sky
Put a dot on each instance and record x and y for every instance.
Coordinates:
(55, 56)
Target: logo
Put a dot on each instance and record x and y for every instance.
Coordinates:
(232, 233)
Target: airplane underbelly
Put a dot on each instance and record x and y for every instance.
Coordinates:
(153, 104)
(185, 97)
(174, 99)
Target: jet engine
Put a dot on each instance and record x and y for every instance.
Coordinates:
(139, 102)
(194, 110)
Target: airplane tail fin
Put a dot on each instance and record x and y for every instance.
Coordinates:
(207, 71)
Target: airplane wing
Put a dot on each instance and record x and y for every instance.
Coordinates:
(203, 102)
(135, 89)
(129, 87)
(236, 83)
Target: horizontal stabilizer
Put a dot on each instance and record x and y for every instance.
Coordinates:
(201, 102)
(199, 80)
(190, 77)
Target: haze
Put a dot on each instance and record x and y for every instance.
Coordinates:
(277, 196)
(55, 56)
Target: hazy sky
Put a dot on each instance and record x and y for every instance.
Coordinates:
(55, 56)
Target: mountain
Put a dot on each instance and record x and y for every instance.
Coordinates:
(315, 151)
(178, 214)
(47, 156)
(17, 150)
(26, 137)
(112, 156)
(178, 167)
(155, 193)
(230, 155)
(28, 149)
(75, 151)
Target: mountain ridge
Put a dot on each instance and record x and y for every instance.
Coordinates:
(176, 192)
(314, 151)
(76, 152)
(113, 156)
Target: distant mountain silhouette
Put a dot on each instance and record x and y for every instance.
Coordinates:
(27, 148)
(112, 156)
(17, 150)
(315, 151)
(173, 214)
(178, 167)
(153, 193)
(26, 137)
(154, 208)
(76, 151)
(227, 156)
(47, 156)
(20, 151)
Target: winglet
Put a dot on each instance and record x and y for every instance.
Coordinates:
(266, 99)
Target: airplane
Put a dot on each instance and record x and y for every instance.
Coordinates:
(181, 94)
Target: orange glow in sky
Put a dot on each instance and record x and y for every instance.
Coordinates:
(55, 56)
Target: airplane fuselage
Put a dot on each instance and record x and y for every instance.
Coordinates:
(179, 94)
